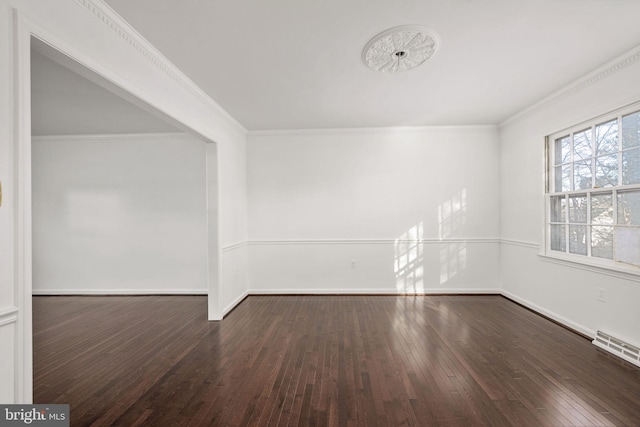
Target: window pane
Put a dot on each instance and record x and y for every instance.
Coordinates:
(582, 175)
(629, 208)
(578, 239)
(626, 247)
(631, 130)
(607, 137)
(602, 242)
(631, 166)
(602, 209)
(563, 150)
(563, 178)
(558, 239)
(582, 145)
(578, 208)
(558, 211)
(607, 171)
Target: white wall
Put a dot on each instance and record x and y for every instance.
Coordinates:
(564, 291)
(416, 209)
(119, 214)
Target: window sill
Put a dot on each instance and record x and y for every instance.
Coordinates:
(624, 271)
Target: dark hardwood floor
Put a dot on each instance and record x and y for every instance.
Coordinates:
(323, 361)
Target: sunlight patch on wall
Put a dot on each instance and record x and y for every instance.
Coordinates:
(408, 260)
(452, 217)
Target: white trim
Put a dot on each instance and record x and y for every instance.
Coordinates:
(214, 249)
(373, 291)
(322, 291)
(600, 73)
(113, 136)
(371, 241)
(588, 265)
(42, 292)
(550, 314)
(233, 304)
(8, 315)
(105, 14)
(520, 243)
(22, 226)
(587, 261)
(366, 130)
(598, 190)
(234, 246)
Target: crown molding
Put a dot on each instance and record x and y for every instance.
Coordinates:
(588, 80)
(367, 130)
(110, 18)
(117, 291)
(113, 136)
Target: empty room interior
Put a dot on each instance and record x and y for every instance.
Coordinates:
(325, 213)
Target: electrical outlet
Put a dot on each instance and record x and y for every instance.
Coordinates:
(601, 295)
(353, 263)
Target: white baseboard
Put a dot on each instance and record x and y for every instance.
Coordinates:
(298, 291)
(119, 292)
(375, 291)
(234, 303)
(560, 319)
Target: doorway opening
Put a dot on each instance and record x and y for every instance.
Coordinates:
(124, 198)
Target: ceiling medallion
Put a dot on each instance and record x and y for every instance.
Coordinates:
(400, 48)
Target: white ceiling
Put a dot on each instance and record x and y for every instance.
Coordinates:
(296, 64)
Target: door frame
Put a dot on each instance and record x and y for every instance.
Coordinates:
(24, 28)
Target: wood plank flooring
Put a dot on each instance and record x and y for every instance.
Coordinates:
(323, 361)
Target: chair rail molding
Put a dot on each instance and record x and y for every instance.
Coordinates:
(8, 315)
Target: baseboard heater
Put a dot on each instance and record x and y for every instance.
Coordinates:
(616, 346)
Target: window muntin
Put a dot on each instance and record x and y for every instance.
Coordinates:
(593, 198)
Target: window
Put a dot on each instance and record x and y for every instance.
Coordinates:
(593, 191)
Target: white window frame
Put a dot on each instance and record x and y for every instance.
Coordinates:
(587, 260)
